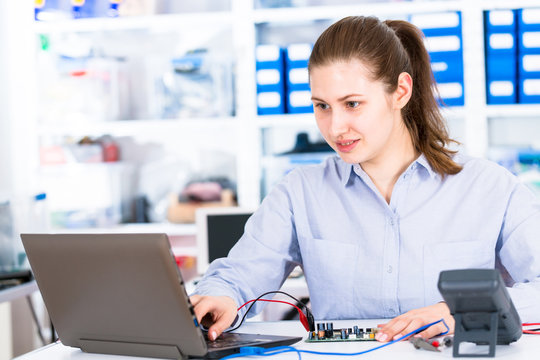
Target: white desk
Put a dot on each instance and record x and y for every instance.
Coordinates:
(526, 348)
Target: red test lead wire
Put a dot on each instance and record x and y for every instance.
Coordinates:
(303, 318)
(532, 331)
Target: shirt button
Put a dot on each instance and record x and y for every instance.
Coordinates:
(392, 222)
(389, 270)
(405, 176)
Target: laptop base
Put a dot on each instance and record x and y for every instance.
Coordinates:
(131, 349)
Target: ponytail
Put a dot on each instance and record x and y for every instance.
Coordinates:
(422, 114)
(391, 48)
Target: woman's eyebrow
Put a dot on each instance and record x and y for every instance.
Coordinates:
(314, 98)
(348, 96)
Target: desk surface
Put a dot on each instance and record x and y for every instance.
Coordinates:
(526, 348)
(18, 291)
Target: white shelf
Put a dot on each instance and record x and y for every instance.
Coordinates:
(185, 251)
(156, 22)
(514, 111)
(181, 236)
(18, 291)
(135, 127)
(167, 228)
(292, 120)
(454, 112)
(508, 4)
(333, 12)
(313, 13)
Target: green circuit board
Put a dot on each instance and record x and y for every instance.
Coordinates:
(326, 333)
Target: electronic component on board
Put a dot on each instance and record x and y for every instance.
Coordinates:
(327, 333)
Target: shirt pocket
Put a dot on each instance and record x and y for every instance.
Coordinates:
(330, 268)
(450, 256)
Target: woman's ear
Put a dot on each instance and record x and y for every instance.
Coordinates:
(403, 91)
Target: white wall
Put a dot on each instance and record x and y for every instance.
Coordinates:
(17, 97)
(17, 123)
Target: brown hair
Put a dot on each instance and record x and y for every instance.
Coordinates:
(390, 48)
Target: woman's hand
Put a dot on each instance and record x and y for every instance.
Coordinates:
(412, 320)
(216, 313)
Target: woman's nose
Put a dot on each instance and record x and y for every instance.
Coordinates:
(339, 124)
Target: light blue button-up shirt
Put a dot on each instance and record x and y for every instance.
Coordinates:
(365, 258)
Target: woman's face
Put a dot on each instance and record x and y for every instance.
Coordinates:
(356, 116)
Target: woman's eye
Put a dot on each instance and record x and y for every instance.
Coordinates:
(322, 106)
(353, 104)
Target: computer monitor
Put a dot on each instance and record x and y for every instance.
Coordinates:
(218, 229)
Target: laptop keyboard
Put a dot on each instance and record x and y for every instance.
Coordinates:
(226, 340)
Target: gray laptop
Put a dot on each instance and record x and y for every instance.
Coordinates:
(123, 294)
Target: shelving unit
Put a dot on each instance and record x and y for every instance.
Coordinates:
(156, 23)
(470, 123)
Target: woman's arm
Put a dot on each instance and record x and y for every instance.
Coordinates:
(518, 249)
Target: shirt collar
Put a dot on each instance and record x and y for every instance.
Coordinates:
(347, 172)
(420, 161)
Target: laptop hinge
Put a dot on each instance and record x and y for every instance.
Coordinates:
(131, 349)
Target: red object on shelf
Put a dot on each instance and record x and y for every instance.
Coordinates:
(110, 152)
(78, 73)
(184, 261)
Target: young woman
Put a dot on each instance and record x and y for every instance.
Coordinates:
(373, 227)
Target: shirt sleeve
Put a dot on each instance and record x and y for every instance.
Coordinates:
(519, 251)
(262, 258)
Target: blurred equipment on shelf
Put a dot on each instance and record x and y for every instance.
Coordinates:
(76, 86)
(300, 3)
(86, 150)
(524, 163)
(86, 184)
(275, 168)
(303, 145)
(85, 78)
(48, 10)
(304, 152)
(7, 243)
(20, 214)
(88, 195)
(211, 192)
(198, 84)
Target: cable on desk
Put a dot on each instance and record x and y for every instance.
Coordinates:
(258, 351)
(535, 331)
(307, 319)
